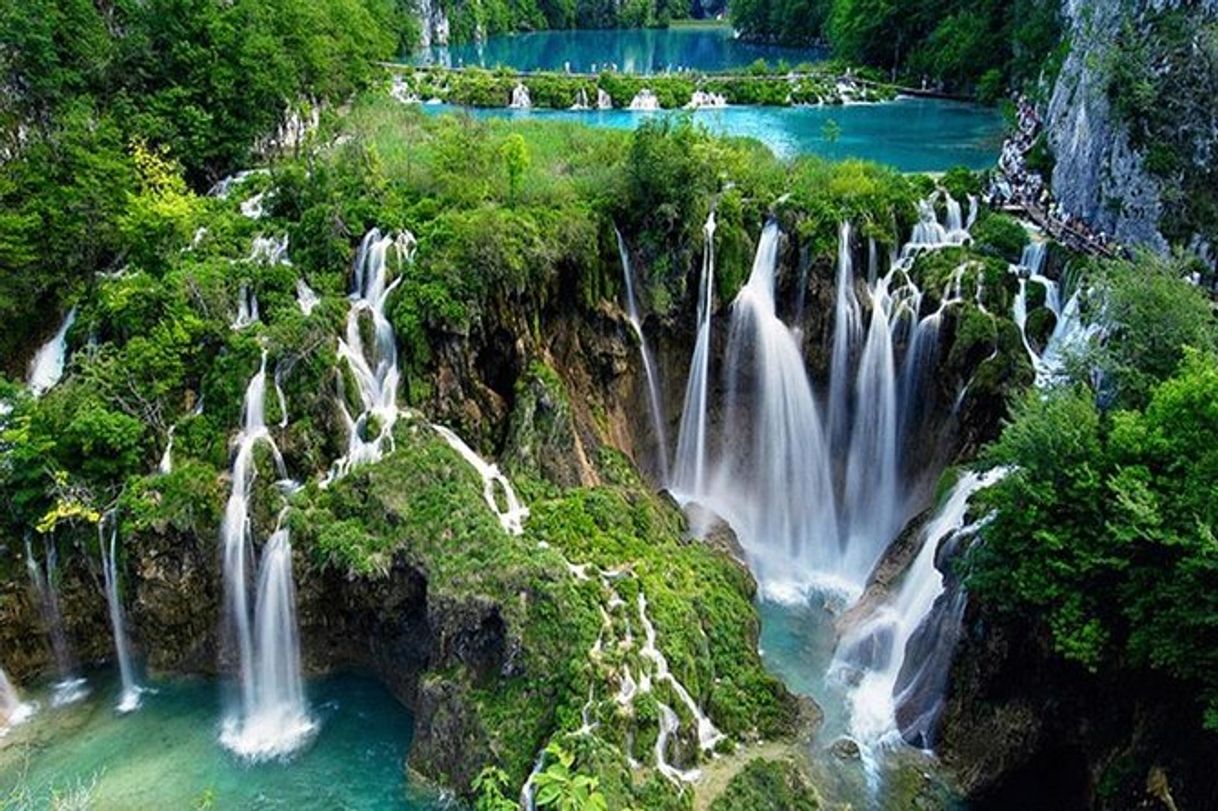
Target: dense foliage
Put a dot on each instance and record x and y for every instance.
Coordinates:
(472, 19)
(984, 47)
(1104, 530)
(207, 82)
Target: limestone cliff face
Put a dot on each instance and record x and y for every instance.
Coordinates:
(1101, 175)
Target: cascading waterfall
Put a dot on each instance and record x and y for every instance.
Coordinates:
(520, 98)
(374, 368)
(1070, 332)
(649, 368)
(775, 485)
(13, 710)
(277, 722)
(306, 299)
(271, 719)
(700, 99)
(511, 513)
(603, 100)
(166, 463)
(879, 644)
(689, 476)
(129, 698)
(247, 308)
(581, 100)
(847, 331)
(70, 687)
(47, 365)
(645, 101)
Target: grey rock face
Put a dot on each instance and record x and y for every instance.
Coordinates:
(1099, 175)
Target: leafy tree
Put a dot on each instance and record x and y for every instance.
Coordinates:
(562, 789)
(515, 155)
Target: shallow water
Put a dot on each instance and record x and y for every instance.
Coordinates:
(911, 134)
(633, 50)
(167, 754)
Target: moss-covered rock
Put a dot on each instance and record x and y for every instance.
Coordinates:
(768, 785)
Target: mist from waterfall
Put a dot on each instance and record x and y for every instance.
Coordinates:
(129, 697)
(654, 402)
(13, 710)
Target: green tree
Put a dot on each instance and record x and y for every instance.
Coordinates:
(562, 789)
(515, 155)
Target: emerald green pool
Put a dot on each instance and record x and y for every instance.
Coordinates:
(166, 754)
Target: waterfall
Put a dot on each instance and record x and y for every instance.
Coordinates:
(46, 367)
(847, 331)
(166, 463)
(879, 644)
(70, 687)
(775, 486)
(306, 299)
(247, 308)
(1070, 332)
(972, 212)
(520, 98)
(649, 368)
(12, 709)
(511, 513)
(871, 473)
(581, 100)
(129, 699)
(374, 368)
(276, 722)
(690, 473)
(700, 99)
(644, 101)
(603, 100)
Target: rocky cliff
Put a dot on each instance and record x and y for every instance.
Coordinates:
(1128, 130)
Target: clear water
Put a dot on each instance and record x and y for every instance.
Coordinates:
(910, 134)
(167, 754)
(637, 50)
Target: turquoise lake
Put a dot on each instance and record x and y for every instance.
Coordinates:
(911, 134)
(166, 755)
(634, 50)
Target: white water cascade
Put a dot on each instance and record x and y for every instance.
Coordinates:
(70, 687)
(129, 698)
(306, 299)
(879, 645)
(166, 464)
(654, 401)
(581, 100)
(510, 512)
(689, 476)
(644, 101)
(603, 100)
(277, 721)
(375, 367)
(247, 308)
(271, 719)
(13, 710)
(700, 99)
(520, 98)
(1070, 332)
(47, 365)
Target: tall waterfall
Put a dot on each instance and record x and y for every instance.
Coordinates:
(12, 709)
(271, 719)
(690, 473)
(375, 367)
(70, 687)
(880, 644)
(277, 721)
(816, 495)
(46, 367)
(129, 698)
(654, 401)
(775, 484)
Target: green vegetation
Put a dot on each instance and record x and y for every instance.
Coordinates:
(975, 47)
(474, 87)
(1163, 75)
(1104, 529)
(470, 19)
(768, 785)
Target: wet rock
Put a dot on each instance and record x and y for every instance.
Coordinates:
(845, 749)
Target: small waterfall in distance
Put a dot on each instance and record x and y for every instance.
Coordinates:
(129, 698)
(46, 368)
(649, 368)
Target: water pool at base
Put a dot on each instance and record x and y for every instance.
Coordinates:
(910, 134)
(632, 50)
(167, 755)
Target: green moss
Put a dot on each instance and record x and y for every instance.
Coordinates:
(768, 785)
